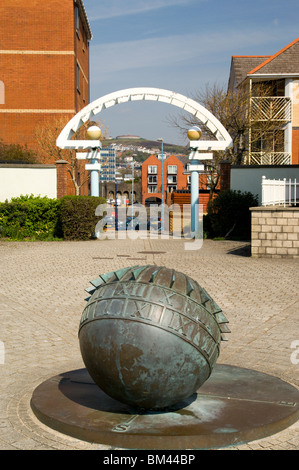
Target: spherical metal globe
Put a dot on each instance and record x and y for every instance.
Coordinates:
(150, 336)
(94, 133)
(194, 133)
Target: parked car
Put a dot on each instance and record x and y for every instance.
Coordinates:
(109, 221)
(154, 223)
(121, 224)
(132, 223)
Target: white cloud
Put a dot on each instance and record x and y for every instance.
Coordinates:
(138, 54)
(115, 8)
(178, 50)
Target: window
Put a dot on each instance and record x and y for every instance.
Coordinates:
(152, 169)
(78, 77)
(152, 189)
(269, 88)
(2, 93)
(171, 188)
(171, 179)
(77, 20)
(272, 141)
(152, 179)
(172, 169)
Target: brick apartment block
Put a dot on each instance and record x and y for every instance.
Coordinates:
(176, 181)
(44, 65)
(173, 177)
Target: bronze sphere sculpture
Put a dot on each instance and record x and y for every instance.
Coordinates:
(150, 336)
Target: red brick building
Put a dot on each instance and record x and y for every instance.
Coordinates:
(173, 177)
(44, 65)
(176, 181)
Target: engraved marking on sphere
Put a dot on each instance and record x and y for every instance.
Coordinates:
(185, 327)
(135, 307)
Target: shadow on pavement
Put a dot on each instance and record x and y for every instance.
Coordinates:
(244, 250)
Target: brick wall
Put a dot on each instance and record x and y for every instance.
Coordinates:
(275, 232)
(295, 146)
(36, 25)
(295, 103)
(225, 175)
(61, 174)
(82, 59)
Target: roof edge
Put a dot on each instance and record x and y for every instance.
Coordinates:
(249, 56)
(84, 14)
(273, 57)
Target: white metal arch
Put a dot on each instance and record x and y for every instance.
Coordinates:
(222, 138)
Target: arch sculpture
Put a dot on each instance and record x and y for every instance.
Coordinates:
(222, 138)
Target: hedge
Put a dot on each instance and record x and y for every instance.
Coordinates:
(229, 215)
(42, 218)
(77, 216)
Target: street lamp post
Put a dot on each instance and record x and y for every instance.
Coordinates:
(132, 188)
(94, 133)
(162, 186)
(94, 175)
(194, 134)
(116, 182)
(94, 154)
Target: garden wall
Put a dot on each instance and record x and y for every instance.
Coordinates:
(275, 232)
(17, 180)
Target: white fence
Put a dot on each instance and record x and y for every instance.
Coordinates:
(279, 192)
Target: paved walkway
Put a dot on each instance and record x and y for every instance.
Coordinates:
(42, 298)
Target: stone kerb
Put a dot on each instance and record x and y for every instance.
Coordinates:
(275, 232)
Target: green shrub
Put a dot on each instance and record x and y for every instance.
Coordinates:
(229, 215)
(77, 216)
(29, 217)
(42, 218)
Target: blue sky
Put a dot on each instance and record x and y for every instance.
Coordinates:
(178, 45)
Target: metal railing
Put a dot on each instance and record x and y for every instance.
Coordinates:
(280, 192)
(274, 108)
(268, 158)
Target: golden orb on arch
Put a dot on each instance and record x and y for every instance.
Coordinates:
(94, 133)
(194, 133)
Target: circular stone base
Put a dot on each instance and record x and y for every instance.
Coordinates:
(234, 406)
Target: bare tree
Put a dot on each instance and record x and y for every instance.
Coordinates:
(46, 136)
(233, 110)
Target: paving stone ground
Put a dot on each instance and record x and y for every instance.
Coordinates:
(42, 297)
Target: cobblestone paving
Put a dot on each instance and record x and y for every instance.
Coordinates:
(42, 298)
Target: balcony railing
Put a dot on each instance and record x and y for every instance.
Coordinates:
(268, 158)
(271, 108)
